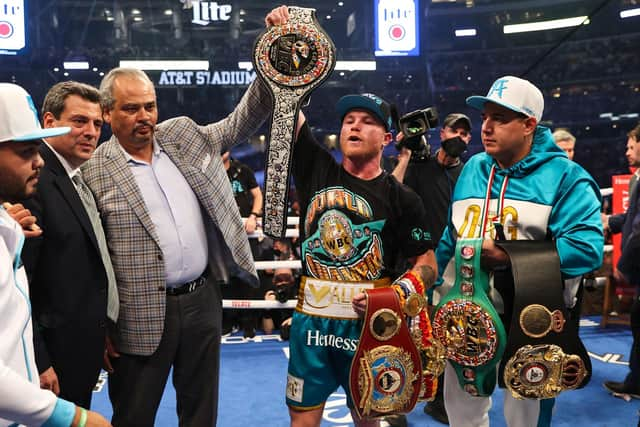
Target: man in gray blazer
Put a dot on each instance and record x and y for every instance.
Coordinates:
(174, 234)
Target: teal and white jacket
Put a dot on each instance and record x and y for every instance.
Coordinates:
(543, 195)
(22, 401)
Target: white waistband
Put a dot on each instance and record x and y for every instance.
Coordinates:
(326, 298)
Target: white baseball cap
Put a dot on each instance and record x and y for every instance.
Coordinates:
(19, 117)
(514, 93)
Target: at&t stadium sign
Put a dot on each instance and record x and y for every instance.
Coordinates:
(206, 78)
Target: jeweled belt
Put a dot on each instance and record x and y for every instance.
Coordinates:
(467, 324)
(292, 59)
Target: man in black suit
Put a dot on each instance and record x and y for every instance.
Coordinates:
(69, 273)
(629, 265)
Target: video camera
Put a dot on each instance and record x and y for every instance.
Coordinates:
(414, 126)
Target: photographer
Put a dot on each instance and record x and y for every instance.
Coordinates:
(285, 287)
(433, 177)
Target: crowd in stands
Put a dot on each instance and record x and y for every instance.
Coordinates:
(580, 79)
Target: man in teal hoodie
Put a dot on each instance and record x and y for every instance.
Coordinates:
(524, 181)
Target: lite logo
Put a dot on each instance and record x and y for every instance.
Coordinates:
(397, 25)
(11, 8)
(12, 26)
(205, 12)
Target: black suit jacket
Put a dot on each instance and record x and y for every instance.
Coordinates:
(67, 279)
(629, 262)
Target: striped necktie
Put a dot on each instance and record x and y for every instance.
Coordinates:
(113, 304)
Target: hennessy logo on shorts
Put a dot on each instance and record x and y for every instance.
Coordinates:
(315, 339)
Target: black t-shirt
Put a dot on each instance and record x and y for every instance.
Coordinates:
(434, 184)
(242, 180)
(352, 229)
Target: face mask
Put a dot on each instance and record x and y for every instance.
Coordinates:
(454, 147)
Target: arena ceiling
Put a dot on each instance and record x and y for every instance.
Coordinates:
(148, 29)
(84, 21)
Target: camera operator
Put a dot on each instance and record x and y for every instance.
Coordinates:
(434, 177)
(285, 287)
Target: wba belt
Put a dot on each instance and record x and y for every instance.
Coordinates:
(467, 324)
(332, 299)
(544, 354)
(386, 375)
(292, 59)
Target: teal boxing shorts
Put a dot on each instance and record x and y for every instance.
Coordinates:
(321, 351)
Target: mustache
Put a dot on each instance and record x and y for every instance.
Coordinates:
(143, 124)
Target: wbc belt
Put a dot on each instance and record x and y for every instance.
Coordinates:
(386, 375)
(292, 59)
(467, 324)
(544, 354)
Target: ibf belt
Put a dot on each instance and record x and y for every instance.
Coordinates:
(332, 299)
(385, 373)
(292, 59)
(544, 354)
(467, 324)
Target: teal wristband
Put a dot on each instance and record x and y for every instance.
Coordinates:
(83, 418)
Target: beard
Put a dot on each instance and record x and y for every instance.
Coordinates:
(13, 190)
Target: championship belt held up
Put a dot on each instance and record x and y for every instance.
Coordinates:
(386, 375)
(292, 59)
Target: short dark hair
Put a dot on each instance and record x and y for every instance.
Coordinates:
(57, 95)
(635, 133)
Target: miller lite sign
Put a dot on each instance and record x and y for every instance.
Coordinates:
(12, 26)
(397, 28)
(205, 12)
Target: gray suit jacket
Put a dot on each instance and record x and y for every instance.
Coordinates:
(131, 235)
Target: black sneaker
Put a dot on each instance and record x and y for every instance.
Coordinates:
(398, 420)
(621, 388)
(436, 411)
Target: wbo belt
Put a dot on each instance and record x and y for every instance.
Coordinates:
(386, 375)
(187, 287)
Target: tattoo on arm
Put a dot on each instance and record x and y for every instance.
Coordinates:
(427, 274)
